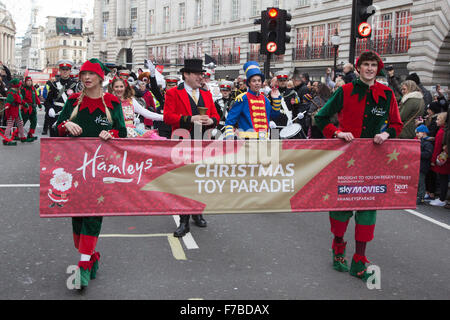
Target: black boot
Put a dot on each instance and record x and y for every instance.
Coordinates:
(199, 221)
(183, 228)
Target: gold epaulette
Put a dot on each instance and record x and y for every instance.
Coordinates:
(239, 97)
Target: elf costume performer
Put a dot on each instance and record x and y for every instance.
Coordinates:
(366, 109)
(90, 113)
(31, 97)
(13, 104)
(252, 111)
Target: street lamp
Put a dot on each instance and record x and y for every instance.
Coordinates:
(335, 41)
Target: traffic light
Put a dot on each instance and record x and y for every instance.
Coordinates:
(363, 11)
(273, 31)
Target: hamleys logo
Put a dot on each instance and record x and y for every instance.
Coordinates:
(378, 111)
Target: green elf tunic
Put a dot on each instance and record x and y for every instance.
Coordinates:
(92, 117)
(364, 111)
(30, 96)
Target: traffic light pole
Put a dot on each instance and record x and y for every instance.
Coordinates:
(267, 66)
(351, 58)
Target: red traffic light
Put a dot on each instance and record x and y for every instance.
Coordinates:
(273, 13)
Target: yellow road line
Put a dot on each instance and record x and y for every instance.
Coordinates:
(175, 245)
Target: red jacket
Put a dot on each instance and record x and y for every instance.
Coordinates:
(177, 105)
(444, 169)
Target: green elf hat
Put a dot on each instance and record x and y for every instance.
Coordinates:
(96, 66)
(15, 83)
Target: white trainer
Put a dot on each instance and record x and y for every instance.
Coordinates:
(437, 203)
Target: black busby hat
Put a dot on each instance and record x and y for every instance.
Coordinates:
(193, 65)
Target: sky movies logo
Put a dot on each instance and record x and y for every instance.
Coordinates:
(362, 189)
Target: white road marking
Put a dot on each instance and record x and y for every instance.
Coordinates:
(441, 224)
(188, 239)
(19, 185)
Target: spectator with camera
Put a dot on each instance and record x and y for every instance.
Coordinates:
(394, 82)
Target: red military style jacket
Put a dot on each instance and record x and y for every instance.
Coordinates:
(178, 110)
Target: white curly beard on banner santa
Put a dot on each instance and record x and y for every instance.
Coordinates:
(61, 181)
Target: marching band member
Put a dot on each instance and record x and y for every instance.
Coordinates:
(59, 92)
(252, 110)
(182, 110)
(223, 105)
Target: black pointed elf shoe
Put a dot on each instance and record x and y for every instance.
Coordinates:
(199, 220)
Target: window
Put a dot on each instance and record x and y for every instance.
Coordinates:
(215, 48)
(181, 52)
(166, 19)
(182, 16)
(303, 3)
(255, 8)
(64, 42)
(105, 16)
(191, 50)
(199, 50)
(235, 4)
(317, 35)
(133, 19)
(151, 21)
(133, 13)
(402, 31)
(198, 13)
(216, 11)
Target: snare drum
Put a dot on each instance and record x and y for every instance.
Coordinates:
(292, 131)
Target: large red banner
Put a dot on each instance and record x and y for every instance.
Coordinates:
(89, 177)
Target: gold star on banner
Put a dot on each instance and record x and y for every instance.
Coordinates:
(393, 156)
(326, 197)
(350, 163)
(100, 200)
(405, 166)
(57, 158)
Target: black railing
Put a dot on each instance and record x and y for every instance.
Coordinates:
(256, 56)
(161, 61)
(387, 45)
(125, 32)
(227, 59)
(307, 52)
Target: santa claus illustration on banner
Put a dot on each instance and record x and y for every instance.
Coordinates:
(61, 183)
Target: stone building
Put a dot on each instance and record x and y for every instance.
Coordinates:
(414, 38)
(7, 37)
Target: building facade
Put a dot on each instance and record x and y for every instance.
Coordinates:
(63, 45)
(412, 38)
(7, 37)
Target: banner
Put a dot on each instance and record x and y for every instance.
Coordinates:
(121, 177)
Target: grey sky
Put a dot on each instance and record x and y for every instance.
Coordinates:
(21, 11)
